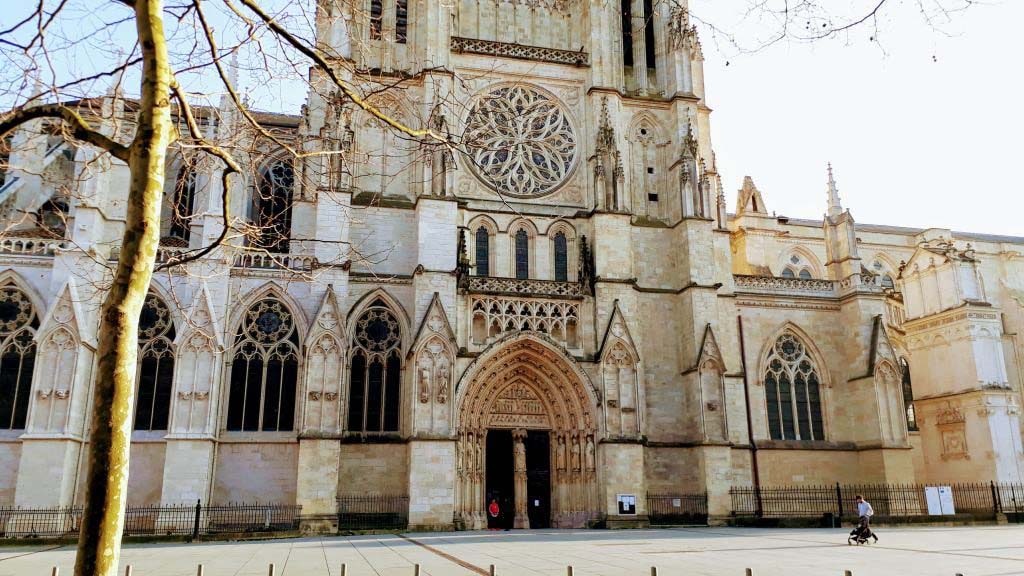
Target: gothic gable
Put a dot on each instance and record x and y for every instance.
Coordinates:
(749, 200)
(617, 332)
(710, 351)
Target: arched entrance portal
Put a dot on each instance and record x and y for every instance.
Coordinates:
(527, 437)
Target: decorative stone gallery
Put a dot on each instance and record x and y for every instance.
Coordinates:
(560, 319)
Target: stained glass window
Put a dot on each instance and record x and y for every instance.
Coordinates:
(156, 366)
(522, 255)
(375, 383)
(561, 258)
(273, 205)
(18, 324)
(264, 370)
(483, 252)
(793, 392)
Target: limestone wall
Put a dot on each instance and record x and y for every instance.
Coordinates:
(261, 472)
(10, 457)
(374, 469)
(146, 473)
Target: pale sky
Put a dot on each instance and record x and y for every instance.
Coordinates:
(913, 141)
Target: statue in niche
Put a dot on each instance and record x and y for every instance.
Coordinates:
(590, 454)
(443, 377)
(575, 453)
(424, 383)
(560, 454)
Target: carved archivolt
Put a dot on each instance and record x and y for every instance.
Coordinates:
(527, 382)
(531, 369)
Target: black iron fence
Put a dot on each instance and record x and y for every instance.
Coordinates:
(893, 500)
(185, 520)
(373, 512)
(674, 509)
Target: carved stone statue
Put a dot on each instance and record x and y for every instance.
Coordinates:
(424, 384)
(575, 453)
(443, 378)
(560, 454)
(520, 453)
(590, 454)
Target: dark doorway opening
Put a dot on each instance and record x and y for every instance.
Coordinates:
(538, 478)
(500, 486)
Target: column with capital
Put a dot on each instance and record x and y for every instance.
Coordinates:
(522, 519)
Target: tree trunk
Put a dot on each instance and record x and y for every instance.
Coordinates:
(110, 433)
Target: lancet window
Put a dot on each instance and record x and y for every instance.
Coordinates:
(561, 257)
(273, 206)
(375, 384)
(483, 251)
(793, 391)
(155, 378)
(183, 203)
(18, 325)
(264, 370)
(522, 245)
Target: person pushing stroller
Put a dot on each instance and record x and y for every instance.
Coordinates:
(862, 532)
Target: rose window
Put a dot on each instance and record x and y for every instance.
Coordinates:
(521, 141)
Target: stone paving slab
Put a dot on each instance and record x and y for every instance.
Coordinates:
(971, 551)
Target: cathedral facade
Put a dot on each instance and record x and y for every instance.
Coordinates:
(557, 315)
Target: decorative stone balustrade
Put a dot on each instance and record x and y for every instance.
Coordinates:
(31, 246)
(785, 286)
(523, 52)
(269, 261)
(528, 288)
(495, 316)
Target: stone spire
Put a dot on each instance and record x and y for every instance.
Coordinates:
(835, 205)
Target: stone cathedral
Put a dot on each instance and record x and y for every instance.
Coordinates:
(558, 315)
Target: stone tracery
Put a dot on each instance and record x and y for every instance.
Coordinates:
(521, 140)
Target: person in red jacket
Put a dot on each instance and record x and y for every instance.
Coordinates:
(494, 511)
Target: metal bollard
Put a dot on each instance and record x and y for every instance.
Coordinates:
(415, 570)
(654, 571)
(344, 569)
(568, 571)
(128, 570)
(749, 572)
(847, 573)
(199, 571)
(56, 571)
(492, 570)
(270, 571)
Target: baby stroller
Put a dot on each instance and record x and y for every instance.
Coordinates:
(861, 533)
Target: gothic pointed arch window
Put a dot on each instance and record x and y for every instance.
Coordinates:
(401, 21)
(561, 257)
(264, 370)
(887, 282)
(522, 254)
(483, 251)
(805, 274)
(18, 325)
(788, 273)
(376, 19)
(375, 384)
(183, 203)
(908, 395)
(273, 206)
(155, 373)
(792, 390)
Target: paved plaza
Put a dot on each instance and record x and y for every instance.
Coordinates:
(977, 551)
